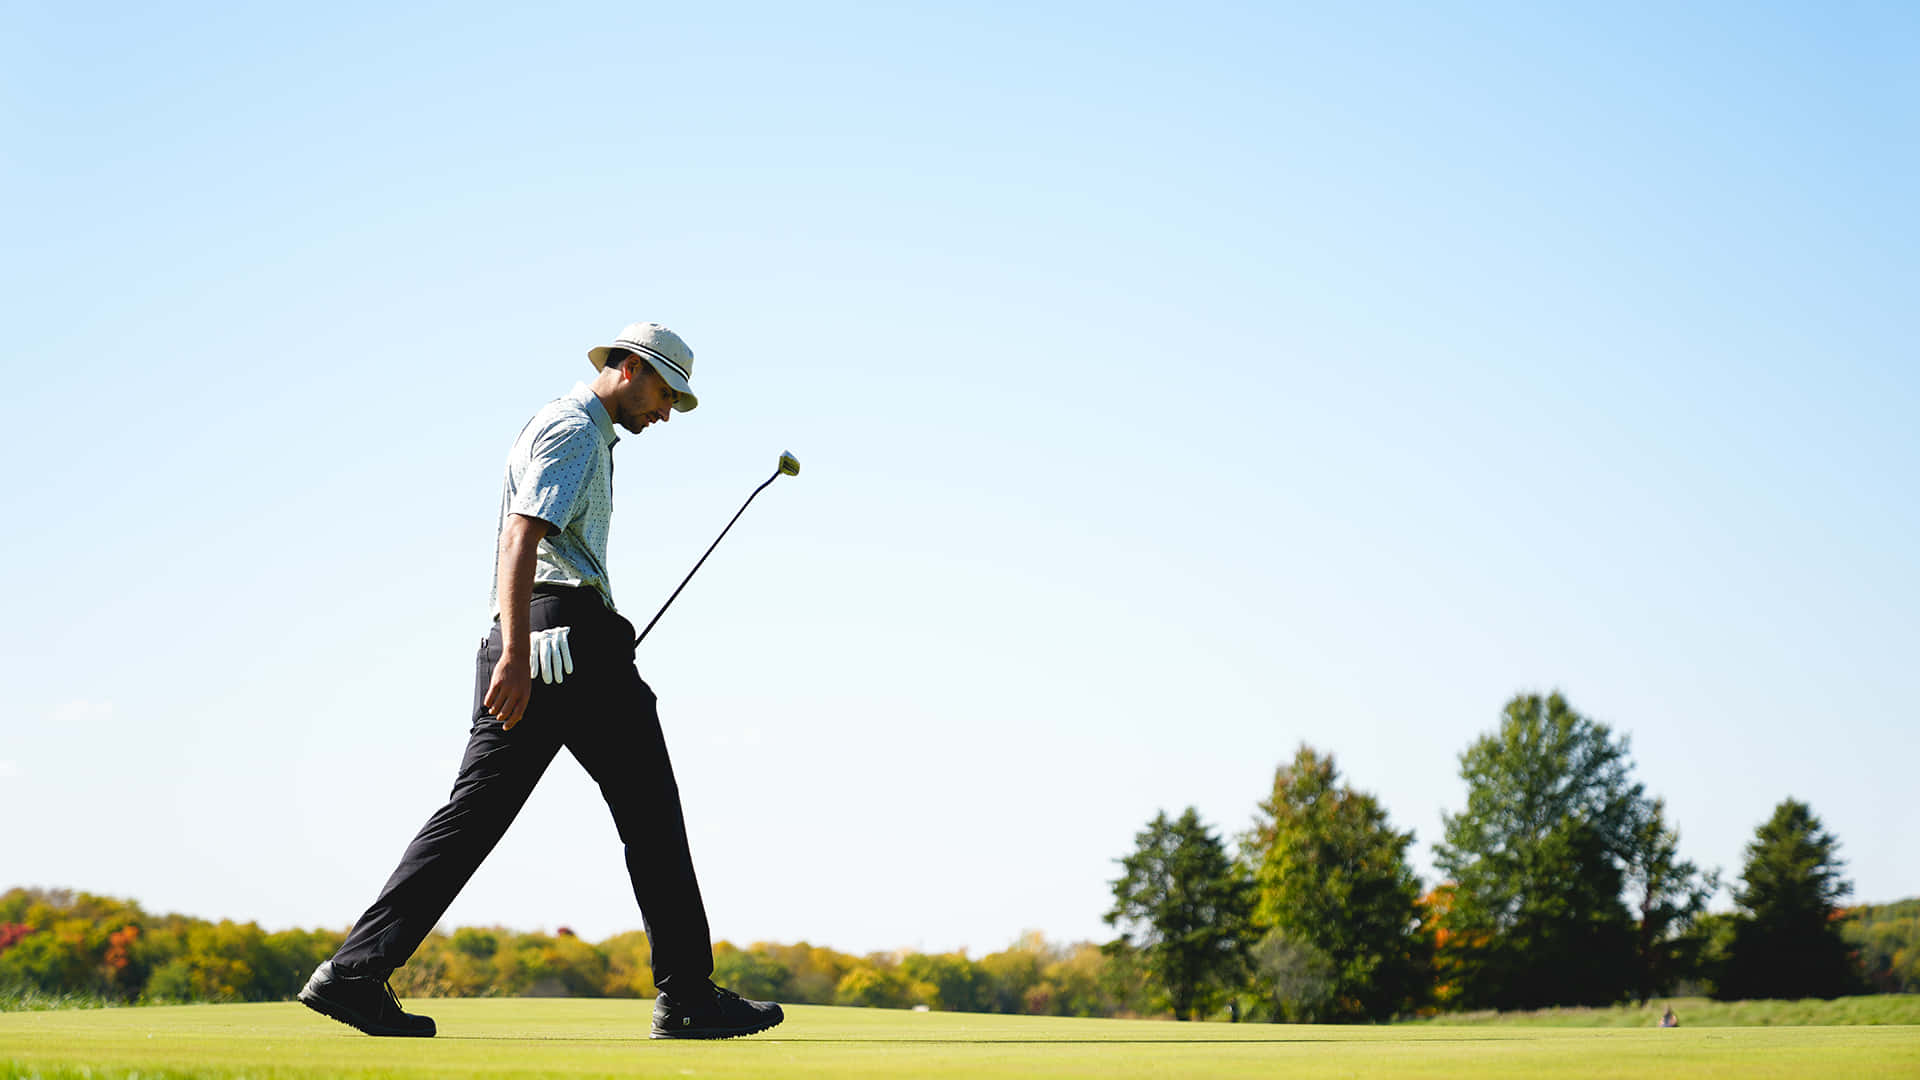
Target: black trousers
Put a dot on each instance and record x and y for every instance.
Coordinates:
(606, 716)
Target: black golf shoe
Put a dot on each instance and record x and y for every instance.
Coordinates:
(363, 1002)
(711, 1013)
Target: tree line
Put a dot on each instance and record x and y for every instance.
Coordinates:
(58, 942)
(1562, 885)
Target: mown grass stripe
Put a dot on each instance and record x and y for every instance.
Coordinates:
(529, 1038)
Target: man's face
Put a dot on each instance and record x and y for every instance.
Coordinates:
(644, 398)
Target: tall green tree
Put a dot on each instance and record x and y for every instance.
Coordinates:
(1668, 895)
(1186, 906)
(1337, 899)
(1536, 861)
(1787, 942)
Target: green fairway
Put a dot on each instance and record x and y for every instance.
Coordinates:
(600, 1037)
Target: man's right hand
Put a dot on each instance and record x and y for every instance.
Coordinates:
(511, 688)
(512, 685)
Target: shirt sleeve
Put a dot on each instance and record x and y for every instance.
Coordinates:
(560, 465)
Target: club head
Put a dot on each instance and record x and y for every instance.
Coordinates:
(789, 464)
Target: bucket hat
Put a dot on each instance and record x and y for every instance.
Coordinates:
(663, 349)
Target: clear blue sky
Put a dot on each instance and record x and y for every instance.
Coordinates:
(1174, 384)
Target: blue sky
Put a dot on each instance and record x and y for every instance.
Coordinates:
(1173, 384)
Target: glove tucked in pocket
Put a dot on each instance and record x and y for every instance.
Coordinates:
(552, 659)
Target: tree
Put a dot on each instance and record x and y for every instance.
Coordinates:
(751, 973)
(629, 965)
(1008, 976)
(1456, 952)
(1886, 937)
(1190, 907)
(876, 984)
(1669, 895)
(1298, 977)
(1333, 888)
(1124, 982)
(1074, 981)
(955, 979)
(1536, 861)
(1787, 941)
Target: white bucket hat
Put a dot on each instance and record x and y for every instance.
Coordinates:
(664, 350)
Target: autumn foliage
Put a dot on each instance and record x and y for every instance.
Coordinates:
(58, 941)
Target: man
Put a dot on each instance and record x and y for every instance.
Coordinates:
(554, 614)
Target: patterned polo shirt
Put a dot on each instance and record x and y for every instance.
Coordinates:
(560, 470)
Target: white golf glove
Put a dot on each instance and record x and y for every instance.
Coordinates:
(552, 660)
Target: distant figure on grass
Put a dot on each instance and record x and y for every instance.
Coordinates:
(1669, 1020)
(554, 615)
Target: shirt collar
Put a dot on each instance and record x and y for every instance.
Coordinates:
(590, 401)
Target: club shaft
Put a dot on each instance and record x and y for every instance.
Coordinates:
(703, 558)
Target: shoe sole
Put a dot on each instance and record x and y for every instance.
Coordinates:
(358, 1022)
(713, 1033)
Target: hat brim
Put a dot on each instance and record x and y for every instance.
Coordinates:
(686, 402)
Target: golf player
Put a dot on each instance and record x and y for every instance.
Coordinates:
(557, 670)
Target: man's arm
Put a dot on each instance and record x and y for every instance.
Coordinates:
(512, 685)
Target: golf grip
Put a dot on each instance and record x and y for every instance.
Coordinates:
(703, 559)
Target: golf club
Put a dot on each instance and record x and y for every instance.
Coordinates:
(789, 466)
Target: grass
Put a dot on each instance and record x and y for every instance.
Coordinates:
(1879, 1009)
(31, 999)
(497, 1037)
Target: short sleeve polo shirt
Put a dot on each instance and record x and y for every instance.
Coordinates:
(560, 470)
